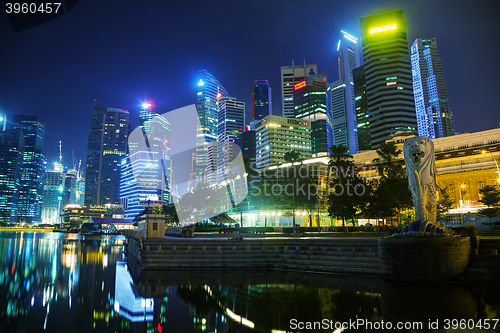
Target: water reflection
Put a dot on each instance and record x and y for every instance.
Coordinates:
(63, 283)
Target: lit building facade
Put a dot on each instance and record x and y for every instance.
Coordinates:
(230, 124)
(11, 162)
(434, 118)
(209, 90)
(75, 215)
(139, 181)
(52, 194)
(465, 163)
(157, 129)
(107, 145)
(389, 88)
(274, 136)
(336, 96)
(33, 168)
(74, 189)
(309, 98)
(344, 121)
(290, 75)
(246, 142)
(362, 111)
(262, 104)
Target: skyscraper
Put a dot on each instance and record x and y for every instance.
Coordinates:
(107, 145)
(336, 95)
(362, 113)
(32, 170)
(387, 67)
(157, 129)
(275, 136)
(290, 75)
(11, 151)
(209, 90)
(309, 98)
(52, 194)
(262, 105)
(434, 118)
(344, 122)
(231, 123)
(73, 189)
(139, 181)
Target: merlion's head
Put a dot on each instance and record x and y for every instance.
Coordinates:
(418, 149)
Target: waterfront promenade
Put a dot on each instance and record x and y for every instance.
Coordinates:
(336, 253)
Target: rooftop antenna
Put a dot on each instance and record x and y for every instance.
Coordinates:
(60, 153)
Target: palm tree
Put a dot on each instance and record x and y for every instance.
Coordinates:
(292, 157)
(339, 156)
(389, 154)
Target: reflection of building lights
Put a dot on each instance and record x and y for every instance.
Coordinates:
(239, 319)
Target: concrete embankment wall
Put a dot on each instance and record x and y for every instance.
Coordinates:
(359, 256)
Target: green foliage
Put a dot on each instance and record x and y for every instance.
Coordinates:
(344, 201)
(490, 196)
(170, 213)
(469, 230)
(388, 197)
(444, 204)
(390, 166)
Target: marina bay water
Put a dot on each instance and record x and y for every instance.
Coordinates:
(51, 282)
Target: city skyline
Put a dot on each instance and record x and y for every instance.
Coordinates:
(61, 91)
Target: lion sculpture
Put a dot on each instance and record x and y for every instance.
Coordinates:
(421, 171)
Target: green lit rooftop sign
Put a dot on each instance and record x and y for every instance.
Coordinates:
(380, 29)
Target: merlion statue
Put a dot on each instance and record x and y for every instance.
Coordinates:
(421, 171)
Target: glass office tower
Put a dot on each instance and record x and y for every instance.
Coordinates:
(107, 145)
(33, 168)
(209, 90)
(434, 118)
(387, 67)
(262, 104)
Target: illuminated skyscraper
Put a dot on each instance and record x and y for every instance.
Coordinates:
(290, 75)
(434, 118)
(388, 76)
(309, 98)
(209, 90)
(52, 194)
(344, 123)
(107, 145)
(362, 113)
(139, 181)
(262, 105)
(73, 189)
(32, 170)
(11, 151)
(231, 123)
(157, 129)
(145, 172)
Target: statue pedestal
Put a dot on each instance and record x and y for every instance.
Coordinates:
(423, 258)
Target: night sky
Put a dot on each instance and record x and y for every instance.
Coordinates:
(123, 53)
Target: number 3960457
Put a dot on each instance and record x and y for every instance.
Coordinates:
(31, 7)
